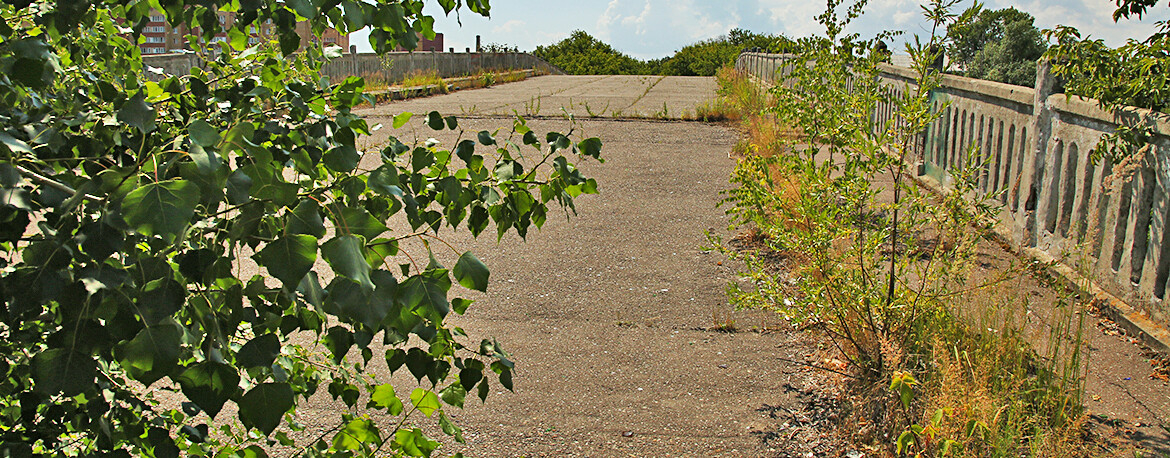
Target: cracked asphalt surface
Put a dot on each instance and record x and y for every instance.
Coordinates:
(607, 313)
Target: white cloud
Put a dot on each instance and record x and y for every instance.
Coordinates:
(656, 28)
(793, 18)
(508, 27)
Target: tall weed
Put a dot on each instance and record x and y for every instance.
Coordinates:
(881, 267)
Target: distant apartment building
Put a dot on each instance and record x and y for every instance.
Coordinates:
(160, 38)
(425, 45)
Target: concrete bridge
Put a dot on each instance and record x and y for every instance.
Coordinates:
(612, 315)
(1105, 224)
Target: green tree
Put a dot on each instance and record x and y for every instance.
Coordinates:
(1133, 74)
(132, 207)
(998, 45)
(705, 57)
(582, 54)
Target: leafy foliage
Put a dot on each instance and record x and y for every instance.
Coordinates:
(997, 45)
(133, 207)
(841, 240)
(1133, 74)
(706, 57)
(582, 54)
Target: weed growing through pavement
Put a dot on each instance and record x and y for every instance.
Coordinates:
(942, 363)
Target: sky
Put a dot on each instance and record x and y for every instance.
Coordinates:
(648, 29)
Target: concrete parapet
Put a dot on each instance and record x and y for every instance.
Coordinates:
(1106, 222)
(387, 68)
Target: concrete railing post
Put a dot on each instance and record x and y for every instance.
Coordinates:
(1033, 192)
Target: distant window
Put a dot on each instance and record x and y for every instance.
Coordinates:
(218, 39)
(157, 18)
(155, 40)
(153, 50)
(154, 29)
(253, 40)
(222, 19)
(252, 29)
(330, 40)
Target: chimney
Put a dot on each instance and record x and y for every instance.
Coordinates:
(353, 49)
(478, 46)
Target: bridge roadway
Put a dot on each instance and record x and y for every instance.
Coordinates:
(605, 313)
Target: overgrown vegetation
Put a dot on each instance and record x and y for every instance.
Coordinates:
(423, 78)
(882, 268)
(160, 288)
(706, 57)
(582, 54)
(998, 45)
(1132, 75)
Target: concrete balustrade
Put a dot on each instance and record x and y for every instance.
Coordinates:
(1032, 147)
(388, 68)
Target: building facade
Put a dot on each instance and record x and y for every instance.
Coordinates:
(158, 37)
(426, 45)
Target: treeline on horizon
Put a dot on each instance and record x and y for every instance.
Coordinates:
(582, 54)
(998, 45)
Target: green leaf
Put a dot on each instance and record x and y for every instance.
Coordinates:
(138, 114)
(239, 187)
(452, 122)
(460, 305)
(151, 354)
(209, 385)
(259, 352)
(357, 434)
(471, 272)
(306, 219)
(421, 158)
(346, 255)
(304, 8)
(339, 340)
(289, 43)
(237, 39)
(342, 159)
(435, 120)
(160, 300)
(904, 441)
(401, 119)
(506, 379)
(419, 363)
(485, 138)
(384, 397)
(450, 428)
(414, 443)
(289, 258)
(420, 291)
(425, 400)
(590, 147)
(203, 134)
(356, 221)
(264, 406)
(58, 370)
(14, 145)
(164, 208)
(206, 160)
(454, 395)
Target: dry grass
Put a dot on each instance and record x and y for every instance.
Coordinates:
(424, 78)
(994, 393)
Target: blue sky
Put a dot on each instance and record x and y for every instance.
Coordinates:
(656, 28)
